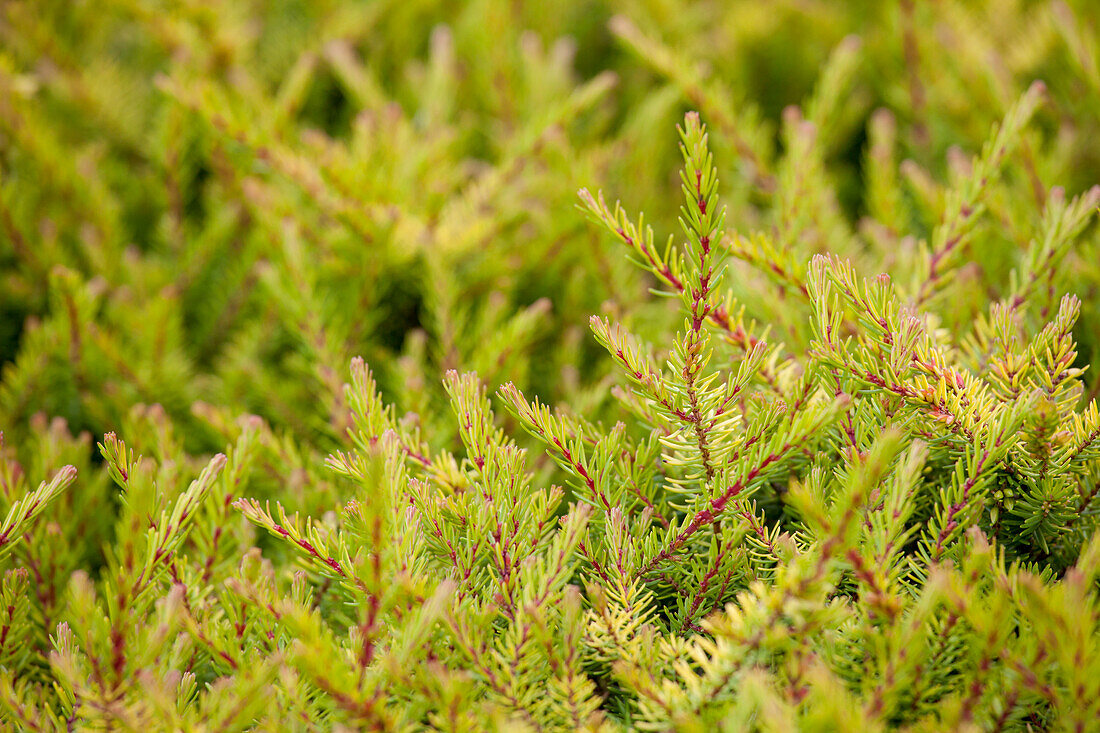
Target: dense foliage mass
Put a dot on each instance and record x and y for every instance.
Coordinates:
(824, 455)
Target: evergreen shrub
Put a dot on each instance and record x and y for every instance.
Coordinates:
(392, 431)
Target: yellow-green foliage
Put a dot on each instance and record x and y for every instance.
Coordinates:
(813, 446)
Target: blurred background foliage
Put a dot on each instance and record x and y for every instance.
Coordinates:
(213, 206)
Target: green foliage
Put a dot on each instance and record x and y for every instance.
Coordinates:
(828, 460)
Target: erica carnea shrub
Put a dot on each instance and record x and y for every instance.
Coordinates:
(817, 449)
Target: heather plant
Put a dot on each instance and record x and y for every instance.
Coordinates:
(815, 446)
